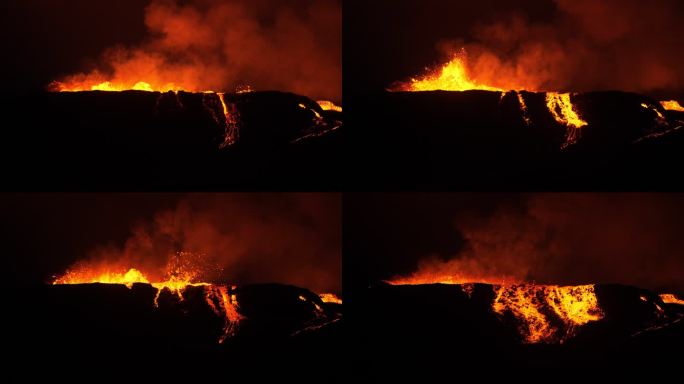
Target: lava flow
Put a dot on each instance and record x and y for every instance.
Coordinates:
(544, 314)
(574, 306)
(670, 298)
(179, 276)
(330, 298)
(672, 105)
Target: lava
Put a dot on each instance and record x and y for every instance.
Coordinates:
(672, 105)
(563, 111)
(230, 115)
(83, 276)
(572, 305)
(330, 298)
(452, 76)
(670, 298)
(436, 278)
(76, 84)
(329, 106)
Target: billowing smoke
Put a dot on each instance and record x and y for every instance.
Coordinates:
(571, 239)
(587, 45)
(238, 238)
(220, 45)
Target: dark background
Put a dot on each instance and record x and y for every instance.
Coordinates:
(46, 39)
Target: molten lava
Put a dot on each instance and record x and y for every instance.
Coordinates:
(329, 106)
(536, 307)
(452, 76)
(669, 298)
(563, 111)
(330, 298)
(435, 278)
(75, 84)
(672, 105)
(84, 276)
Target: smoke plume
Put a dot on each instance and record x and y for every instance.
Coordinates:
(587, 45)
(572, 239)
(238, 238)
(220, 45)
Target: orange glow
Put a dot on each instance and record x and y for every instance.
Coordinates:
(84, 276)
(329, 106)
(672, 105)
(330, 298)
(436, 278)
(452, 76)
(670, 298)
(75, 84)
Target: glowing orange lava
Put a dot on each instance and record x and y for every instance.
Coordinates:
(529, 303)
(330, 298)
(670, 298)
(329, 106)
(452, 76)
(563, 111)
(672, 105)
(437, 278)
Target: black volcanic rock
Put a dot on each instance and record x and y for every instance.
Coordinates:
(112, 317)
(481, 138)
(152, 139)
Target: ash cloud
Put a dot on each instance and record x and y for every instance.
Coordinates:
(587, 45)
(220, 45)
(240, 238)
(572, 239)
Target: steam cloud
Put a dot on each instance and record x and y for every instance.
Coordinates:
(243, 238)
(588, 45)
(573, 239)
(220, 45)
